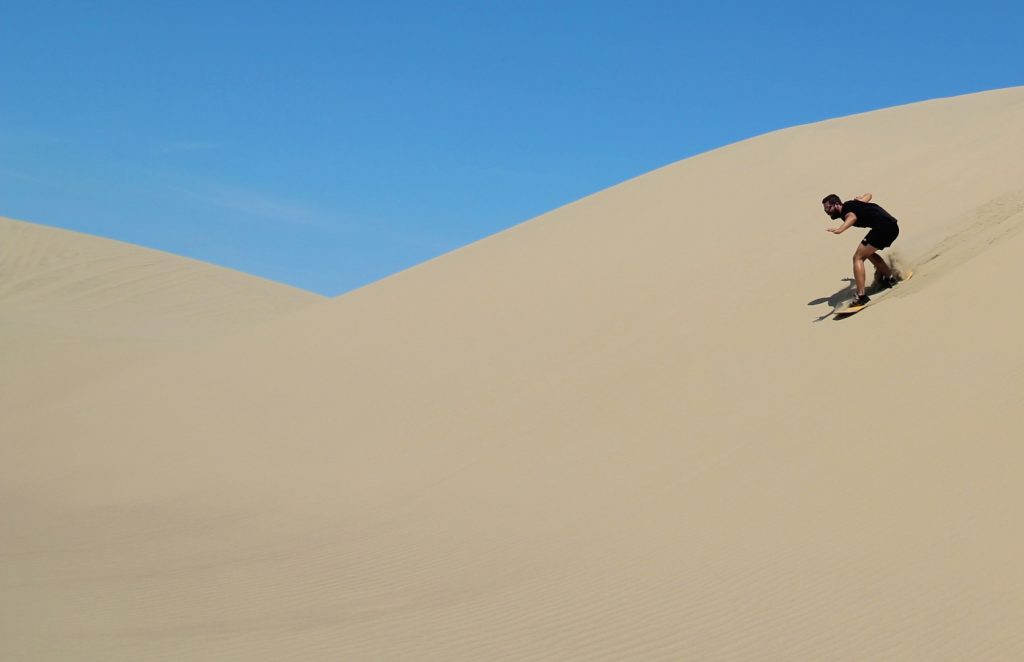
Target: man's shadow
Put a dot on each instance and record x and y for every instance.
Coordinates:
(835, 300)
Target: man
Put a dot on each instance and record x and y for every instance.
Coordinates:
(863, 213)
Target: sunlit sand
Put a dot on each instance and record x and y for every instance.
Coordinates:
(628, 429)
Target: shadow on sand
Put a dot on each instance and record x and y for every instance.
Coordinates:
(836, 300)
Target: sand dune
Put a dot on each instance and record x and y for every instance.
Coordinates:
(74, 307)
(626, 429)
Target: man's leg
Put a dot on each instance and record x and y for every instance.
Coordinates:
(880, 264)
(864, 251)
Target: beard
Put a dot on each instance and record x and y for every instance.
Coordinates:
(835, 214)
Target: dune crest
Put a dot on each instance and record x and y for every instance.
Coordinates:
(74, 307)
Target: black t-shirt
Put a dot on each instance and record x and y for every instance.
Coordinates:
(869, 215)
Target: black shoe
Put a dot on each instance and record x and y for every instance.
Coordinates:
(862, 300)
(885, 282)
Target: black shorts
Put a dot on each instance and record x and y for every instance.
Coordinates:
(882, 236)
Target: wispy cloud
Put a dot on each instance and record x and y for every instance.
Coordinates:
(256, 204)
(272, 209)
(17, 175)
(187, 146)
(27, 138)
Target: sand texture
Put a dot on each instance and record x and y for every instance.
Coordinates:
(627, 429)
(75, 307)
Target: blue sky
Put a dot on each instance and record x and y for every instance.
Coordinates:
(330, 144)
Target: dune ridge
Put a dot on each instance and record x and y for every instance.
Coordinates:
(626, 429)
(74, 307)
(111, 287)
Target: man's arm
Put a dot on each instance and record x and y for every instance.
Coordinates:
(864, 198)
(848, 220)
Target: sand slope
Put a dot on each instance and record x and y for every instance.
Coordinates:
(617, 431)
(74, 307)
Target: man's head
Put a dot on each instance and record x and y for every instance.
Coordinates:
(833, 206)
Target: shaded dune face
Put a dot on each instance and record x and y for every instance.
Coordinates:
(75, 307)
(628, 428)
(62, 278)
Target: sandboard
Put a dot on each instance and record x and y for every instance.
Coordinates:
(853, 310)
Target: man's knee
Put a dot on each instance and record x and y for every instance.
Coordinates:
(864, 253)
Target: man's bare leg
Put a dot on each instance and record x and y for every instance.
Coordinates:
(880, 265)
(864, 252)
